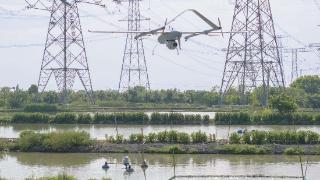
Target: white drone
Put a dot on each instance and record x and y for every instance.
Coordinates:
(172, 39)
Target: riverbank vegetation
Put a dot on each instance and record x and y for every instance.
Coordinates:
(58, 177)
(267, 117)
(257, 142)
(276, 137)
(109, 118)
(305, 91)
(166, 137)
(52, 142)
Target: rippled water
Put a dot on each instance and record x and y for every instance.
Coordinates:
(84, 166)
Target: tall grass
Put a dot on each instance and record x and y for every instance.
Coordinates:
(109, 118)
(41, 108)
(266, 118)
(53, 142)
(30, 118)
(276, 137)
(172, 137)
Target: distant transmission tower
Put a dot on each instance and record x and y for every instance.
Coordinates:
(64, 54)
(134, 70)
(253, 58)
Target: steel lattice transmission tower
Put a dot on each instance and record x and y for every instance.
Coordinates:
(253, 58)
(134, 70)
(64, 55)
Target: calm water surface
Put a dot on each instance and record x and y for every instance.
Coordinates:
(84, 166)
(99, 131)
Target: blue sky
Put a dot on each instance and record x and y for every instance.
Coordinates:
(199, 65)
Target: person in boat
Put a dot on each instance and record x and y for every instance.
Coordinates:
(125, 161)
(106, 165)
(144, 164)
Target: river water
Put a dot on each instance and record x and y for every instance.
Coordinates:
(85, 166)
(99, 131)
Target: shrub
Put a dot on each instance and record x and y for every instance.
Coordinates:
(84, 119)
(136, 138)
(65, 118)
(302, 137)
(118, 139)
(238, 118)
(242, 149)
(316, 119)
(59, 177)
(56, 141)
(312, 137)
(294, 151)
(247, 138)
(40, 108)
(151, 138)
(258, 137)
(234, 138)
(178, 118)
(30, 118)
(176, 149)
(184, 138)
(281, 137)
(266, 117)
(5, 119)
(29, 140)
(283, 103)
(172, 136)
(162, 137)
(199, 137)
(206, 119)
(121, 118)
(3, 145)
(64, 141)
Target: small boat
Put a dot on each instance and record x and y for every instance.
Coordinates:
(241, 131)
(106, 166)
(129, 169)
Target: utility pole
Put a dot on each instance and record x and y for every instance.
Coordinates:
(134, 70)
(64, 54)
(253, 58)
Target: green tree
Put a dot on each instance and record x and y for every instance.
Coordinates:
(283, 103)
(50, 97)
(33, 89)
(17, 99)
(310, 84)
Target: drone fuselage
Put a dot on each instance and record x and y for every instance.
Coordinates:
(170, 39)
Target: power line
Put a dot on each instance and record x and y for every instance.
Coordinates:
(89, 40)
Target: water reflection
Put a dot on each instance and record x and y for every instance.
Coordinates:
(86, 165)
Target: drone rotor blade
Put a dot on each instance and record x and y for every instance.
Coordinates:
(165, 24)
(220, 27)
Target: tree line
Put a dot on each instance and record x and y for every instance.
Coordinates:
(305, 91)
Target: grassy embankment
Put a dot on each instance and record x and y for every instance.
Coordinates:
(258, 142)
(267, 117)
(140, 118)
(42, 113)
(106, 118)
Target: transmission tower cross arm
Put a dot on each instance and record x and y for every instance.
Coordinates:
(93, 2)
(47, 4)
(39, 4)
